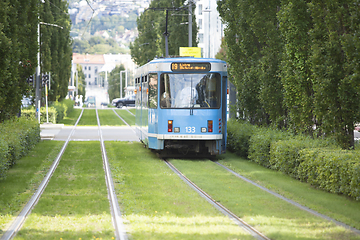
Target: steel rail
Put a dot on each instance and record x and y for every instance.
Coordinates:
(125, 121)
(120, 231)
(20, 219)
(255, 233)
(354, 230)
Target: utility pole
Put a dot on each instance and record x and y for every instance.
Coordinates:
(190, 23)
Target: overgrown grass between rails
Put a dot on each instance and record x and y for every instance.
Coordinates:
(88, 118)
(272, 216)
(109, 118)
(74, 205)
(23, 179)
(341, 208)
(130, 119)
(157, 204)
(71, 118)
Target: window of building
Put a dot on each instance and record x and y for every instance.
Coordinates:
(85, 75)
(85, 67)
(96, 70)
(89, 68)
(201, 38)
(200, 24)
(89, 75)
(200, 9)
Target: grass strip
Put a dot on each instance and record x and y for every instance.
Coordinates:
(339, 207)
(130, 119)
(109, 118)
(275, 218)
(157, 204)
(88, 118)
(74, 205)
(70, 120)
(133, 110)
(23, 179)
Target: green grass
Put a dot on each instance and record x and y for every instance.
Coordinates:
(74, 205)
(72, 117)
(270, 215)
(88, 118)
(130, 119)
(23, 179)
(157, 204)
(335, 206)
(109, 118)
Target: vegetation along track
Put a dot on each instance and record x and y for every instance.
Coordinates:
(20, 219)
(273, 215)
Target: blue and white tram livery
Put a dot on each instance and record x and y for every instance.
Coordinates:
(181, 105)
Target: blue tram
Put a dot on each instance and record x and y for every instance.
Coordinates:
(181, 105)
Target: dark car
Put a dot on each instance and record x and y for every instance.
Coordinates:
(126, 101)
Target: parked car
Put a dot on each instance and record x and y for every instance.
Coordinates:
(90, 101)
(126, 101)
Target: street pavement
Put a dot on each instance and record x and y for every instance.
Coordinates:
(86, 133)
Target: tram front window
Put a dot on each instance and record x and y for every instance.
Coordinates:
(190, 90)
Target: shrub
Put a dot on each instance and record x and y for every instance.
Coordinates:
(260, 142)
(18, 136)
(337, 171)
(238, 137)
(30, 113)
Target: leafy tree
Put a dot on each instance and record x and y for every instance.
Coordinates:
(254, 55)
(295, 24)
(151, 26)
(335, 67)
(18, 47)
(114, 82)
(81, 80)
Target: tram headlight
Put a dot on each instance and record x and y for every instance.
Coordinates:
(203, 129)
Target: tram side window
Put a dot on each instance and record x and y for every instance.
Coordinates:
(190, 90)
(153, 87)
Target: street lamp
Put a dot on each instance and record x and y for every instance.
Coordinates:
(123, 71)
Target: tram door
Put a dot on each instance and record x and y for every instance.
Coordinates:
(224, 112)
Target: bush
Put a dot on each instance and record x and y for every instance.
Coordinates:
(30, 113)
(337, 171)
(18, 136)
(260, 142)
(285, 154)
(238, 137)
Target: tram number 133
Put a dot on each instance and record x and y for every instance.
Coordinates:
(190, 129)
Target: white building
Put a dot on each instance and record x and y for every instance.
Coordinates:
(91, 65)
(210, 27)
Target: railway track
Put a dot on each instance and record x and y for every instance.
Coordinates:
(20, 219)
(114, 206)
(254, 232)
(115, 210)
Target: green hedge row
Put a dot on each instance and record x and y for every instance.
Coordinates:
(56, 111)
(17, 137)
(317, 161)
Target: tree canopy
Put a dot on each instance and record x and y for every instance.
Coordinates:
(151, 26)
(296, 63)
(19, 46)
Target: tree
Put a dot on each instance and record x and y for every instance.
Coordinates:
(18, 47)
(151, 26)
(335, 65)
(254, 55)
(114, 82)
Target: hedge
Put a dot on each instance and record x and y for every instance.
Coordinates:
(319, 162)
(56, 111)
(17, 137)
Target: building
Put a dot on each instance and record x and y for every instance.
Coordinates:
(91, 65)
(210, 27)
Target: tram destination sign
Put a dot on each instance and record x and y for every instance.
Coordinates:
(190, 66)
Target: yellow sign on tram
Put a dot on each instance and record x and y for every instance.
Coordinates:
(190, 52)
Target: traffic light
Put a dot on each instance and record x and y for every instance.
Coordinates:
(45, 79)
(30, 79)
